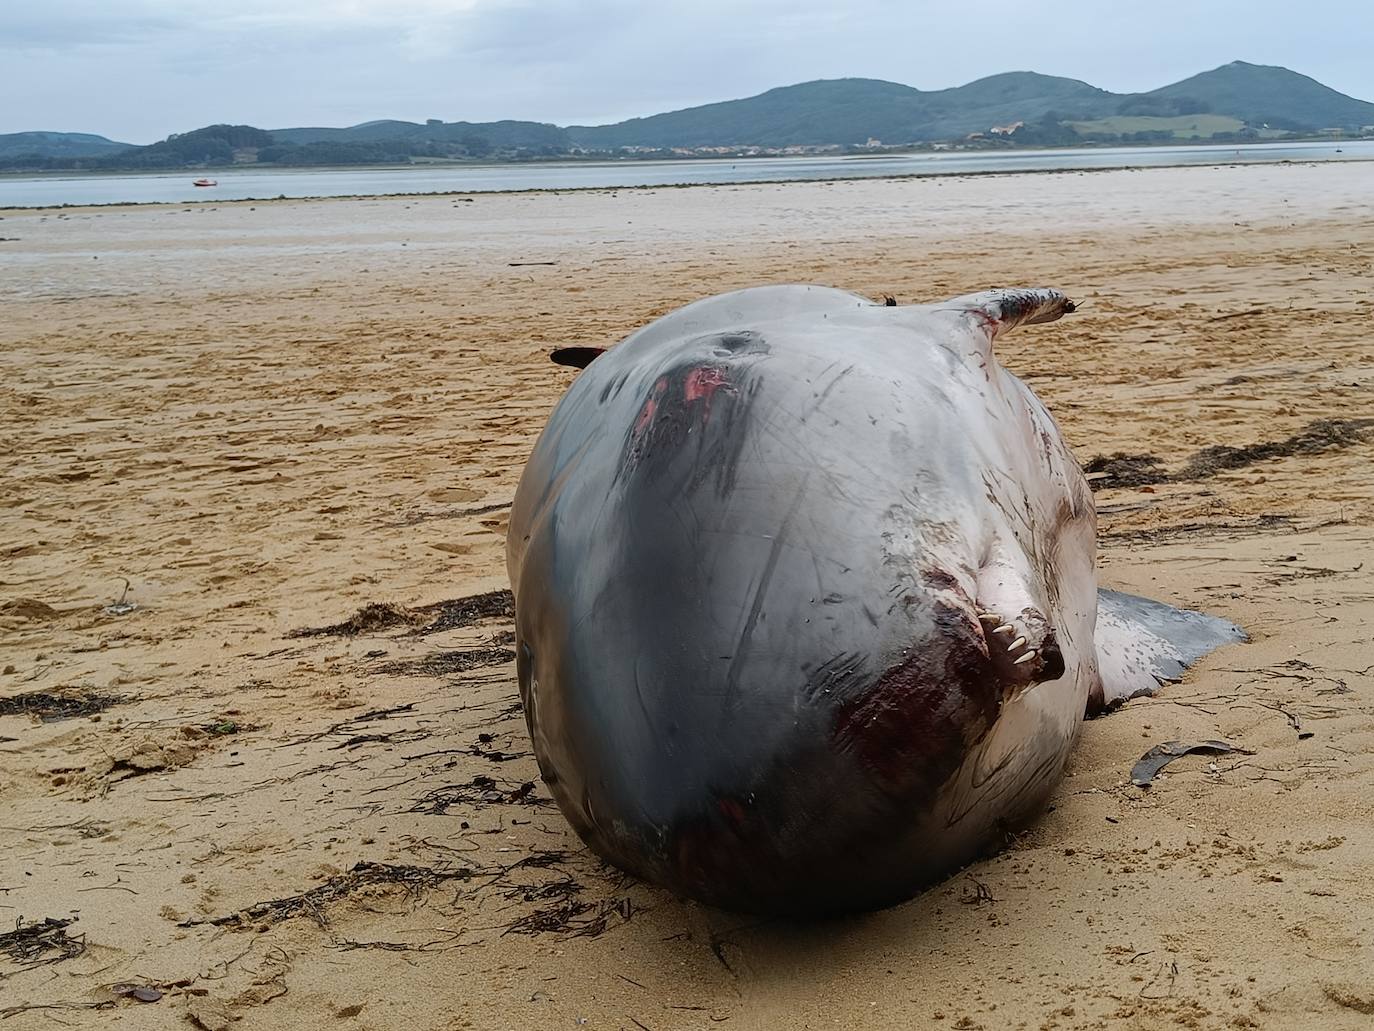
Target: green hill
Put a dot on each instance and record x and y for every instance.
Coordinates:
(368, 132)
(1011, 97)
(382, 142)
(851, 111)
(56, 145)
(212, 145)
(811, 113)
(489, 136)
(1265, 94)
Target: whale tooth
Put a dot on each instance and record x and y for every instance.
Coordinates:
(1024, 658)
(1020, 642)
(1005, 628)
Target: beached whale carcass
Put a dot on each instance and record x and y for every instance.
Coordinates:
(806, 610)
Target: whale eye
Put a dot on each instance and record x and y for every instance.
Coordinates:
(727, 344)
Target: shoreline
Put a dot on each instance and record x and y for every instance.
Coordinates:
(609, 161)
(643, 187)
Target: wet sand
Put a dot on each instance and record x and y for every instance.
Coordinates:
(271, 416)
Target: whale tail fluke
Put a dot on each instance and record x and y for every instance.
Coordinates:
(1142, 644)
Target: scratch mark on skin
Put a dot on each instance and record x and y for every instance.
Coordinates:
(768, 425)
(989, 324)
(820, 580)
(639, 696)
(746, 637)
(602, 596)
(949, 350)
(820, 398)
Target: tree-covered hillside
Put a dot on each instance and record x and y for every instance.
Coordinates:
(212, 145)
(435, 137)
(809, 114)
(56, 144)
(1265, 94)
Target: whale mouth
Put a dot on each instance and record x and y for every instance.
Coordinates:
(1022, 654)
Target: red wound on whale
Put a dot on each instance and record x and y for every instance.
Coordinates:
(679, 400)
(912, 728)
(646, 413)
(702, 383)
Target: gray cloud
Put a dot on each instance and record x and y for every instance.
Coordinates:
(139, 69)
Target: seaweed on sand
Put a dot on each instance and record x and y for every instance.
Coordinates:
(425, 619)
(37, 944)
(1125, 470)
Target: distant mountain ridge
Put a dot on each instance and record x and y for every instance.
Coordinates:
(851, 111)
(503, 134)
(1019, 107)
(70, 144)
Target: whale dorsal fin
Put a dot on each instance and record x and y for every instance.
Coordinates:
(1142, 644)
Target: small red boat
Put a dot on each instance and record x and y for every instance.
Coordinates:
(204, 182)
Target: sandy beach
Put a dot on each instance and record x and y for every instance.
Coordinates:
(291, 787)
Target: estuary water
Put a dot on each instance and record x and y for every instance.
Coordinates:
(262, 184)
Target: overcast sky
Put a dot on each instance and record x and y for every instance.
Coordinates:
(136, 70)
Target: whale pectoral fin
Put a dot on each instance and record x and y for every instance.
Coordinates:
(576, 357)
(1000, 311)
(1142, 644)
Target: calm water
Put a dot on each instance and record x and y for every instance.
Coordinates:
(45, 191)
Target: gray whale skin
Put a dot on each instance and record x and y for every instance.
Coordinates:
(806, 608)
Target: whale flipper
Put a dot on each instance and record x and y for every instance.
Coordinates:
(1000, 311)
(576, 357)
(1142, 644)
